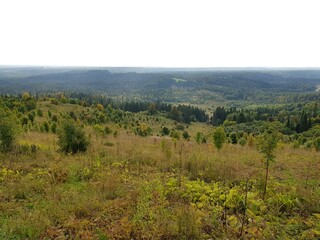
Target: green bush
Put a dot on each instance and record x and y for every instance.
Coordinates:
(72, 138)
(316, 144)
(175, 135)
(219, 137)
(233, 137)
(180, 127)
(186, 135)
(200, 138)
(8, 132)
(242, 141)
(143, 130)
(165, 131)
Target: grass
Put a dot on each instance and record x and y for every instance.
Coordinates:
(131, 187)
(122, 191)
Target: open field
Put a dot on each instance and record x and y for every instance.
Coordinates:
(155, 174)
(156, 188)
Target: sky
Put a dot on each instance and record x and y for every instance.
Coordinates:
(162, 33)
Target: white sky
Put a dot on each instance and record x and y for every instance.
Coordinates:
(162, 33)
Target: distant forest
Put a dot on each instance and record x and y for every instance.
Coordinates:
(174, 86)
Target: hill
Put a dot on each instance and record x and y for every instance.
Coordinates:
(134, 173)
(197, 87)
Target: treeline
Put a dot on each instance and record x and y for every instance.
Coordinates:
(180, 113)
(293, 117)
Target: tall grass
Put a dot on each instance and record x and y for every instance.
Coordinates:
(120, 190)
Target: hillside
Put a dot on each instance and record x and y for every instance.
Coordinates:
(142, 173)
(180, 86)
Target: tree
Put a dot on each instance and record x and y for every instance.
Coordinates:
(8, 132)
(175, 114)
(31, 104)
(233, 138)
(241, 118)
(26, 96)
(267, 144)
(303, 125)
(72, 138)
(152, 110)
(100, 107)
(219, 116)
(219, 137)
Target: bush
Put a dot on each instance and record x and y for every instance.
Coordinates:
(107, 130)
(175, 135)
(165, 131)
(39, 113)
(54, 127)
(186, 135)
(200, 138)
(316, 144)
(219, 137)
(72, 138)
(180, 127)
(143, 130)
(233, 137)
(45, 127)
(242, 141)
(8, 131)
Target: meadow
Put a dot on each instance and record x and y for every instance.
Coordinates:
(130, 186)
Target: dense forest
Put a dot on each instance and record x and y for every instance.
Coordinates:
(167, 85)
(159, 154)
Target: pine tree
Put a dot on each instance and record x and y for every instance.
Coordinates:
(267, 144)
(303, 123)
(219, 137)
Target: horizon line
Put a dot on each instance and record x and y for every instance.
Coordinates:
(152, 67)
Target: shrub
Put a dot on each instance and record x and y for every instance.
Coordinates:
(233, 137)
(72, 138)
(316, 144)
(175, 135)
(186, 135)
(54, 127)
(200, 138)
(100, 107)
(8, 131)
(39, 113)
(107, 130)
(242, 141)
(99, 129)
(45, 127)
(165, 131)
(143, 130)
(219, 137)
(180, 127)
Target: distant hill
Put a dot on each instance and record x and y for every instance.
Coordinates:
(161, 84)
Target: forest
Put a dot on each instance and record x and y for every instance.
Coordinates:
(159, 154)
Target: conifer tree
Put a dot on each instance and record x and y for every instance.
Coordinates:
(219, 137)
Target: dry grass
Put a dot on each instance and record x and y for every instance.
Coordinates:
(119, 188)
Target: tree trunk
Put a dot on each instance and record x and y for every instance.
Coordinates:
(266, 179)
(245, 210)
